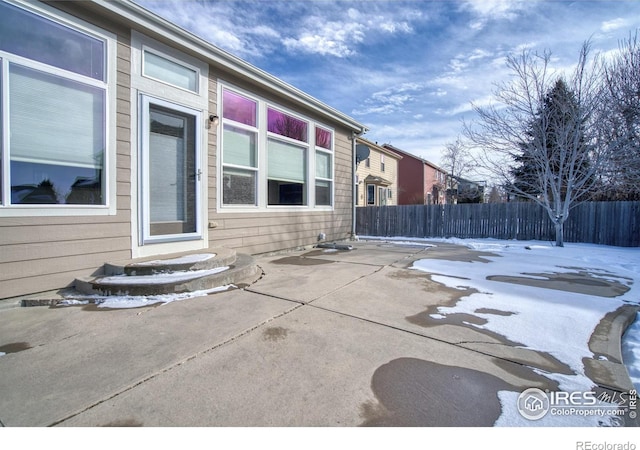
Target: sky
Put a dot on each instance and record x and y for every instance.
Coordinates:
(408, 70)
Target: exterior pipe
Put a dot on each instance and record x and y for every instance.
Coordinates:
(354, 200)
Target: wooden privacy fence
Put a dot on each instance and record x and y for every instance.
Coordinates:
(606, 223)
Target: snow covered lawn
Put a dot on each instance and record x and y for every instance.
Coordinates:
(557, 322)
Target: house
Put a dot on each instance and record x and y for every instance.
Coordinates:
(377, 176)
(461, 190)
(420, 182)
(131, 137)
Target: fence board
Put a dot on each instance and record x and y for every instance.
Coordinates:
(606, 223)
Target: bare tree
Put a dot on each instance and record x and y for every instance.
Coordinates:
(620, 122)
(552, 133)
(457, 161)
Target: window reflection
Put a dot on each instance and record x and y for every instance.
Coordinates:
(238, 108)
(323, 138)
(286, 125)
(31, 36)
(33, 183)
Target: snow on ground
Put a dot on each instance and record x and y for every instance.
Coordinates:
(160, 278)
(137, 301)
(187, 259)
(631, 351)
(542, 319)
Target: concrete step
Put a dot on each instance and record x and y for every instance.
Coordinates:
(162, 281)
(171, 274)
(209, 259)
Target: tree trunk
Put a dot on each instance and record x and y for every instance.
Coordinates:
(559, 233)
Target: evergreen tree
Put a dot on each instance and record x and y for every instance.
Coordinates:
(557, 126)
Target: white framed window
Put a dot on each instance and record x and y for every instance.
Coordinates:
(324, 167)
(239, 149)
(371, 194)
(57, 78)
(272, 157)
(166, 72)
(169, 70)
(381, 163)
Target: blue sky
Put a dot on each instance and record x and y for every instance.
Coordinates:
(409, 70)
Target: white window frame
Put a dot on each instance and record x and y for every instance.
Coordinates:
(109, 86)
(330, 180)
(262, 155)
(146, 237)
(310, 174)
(149, 49)
(366, 200)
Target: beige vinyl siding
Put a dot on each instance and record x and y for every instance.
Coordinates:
(44, 253)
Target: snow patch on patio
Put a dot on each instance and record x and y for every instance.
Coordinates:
(138, 301)
(187, 259)
(162, 278)
(631, 351)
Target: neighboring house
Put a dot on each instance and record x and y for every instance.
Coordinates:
(131, 137)
(462, 190)
(377, 177)
(419, 181)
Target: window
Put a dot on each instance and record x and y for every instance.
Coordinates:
(367, 162)
(324, 166)
(286, 125)
(56, 108)
(371, 194)
(287, 161)
(37, 38)
(382, 195)
(239, 150)
(167, 70)
(389, 193)
(287, 173)
(382, 163)
(273, 158)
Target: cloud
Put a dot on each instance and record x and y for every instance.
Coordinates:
(327, 38)
(614, 24)
(391, 100)
(466, 107)
(496, 10)
(321, 35)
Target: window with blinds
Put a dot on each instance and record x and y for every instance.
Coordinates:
(272, 157)
(165, 69)
(56, 91)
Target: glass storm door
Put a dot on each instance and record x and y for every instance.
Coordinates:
(171, 175)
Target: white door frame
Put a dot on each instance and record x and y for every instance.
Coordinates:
(144, 233)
